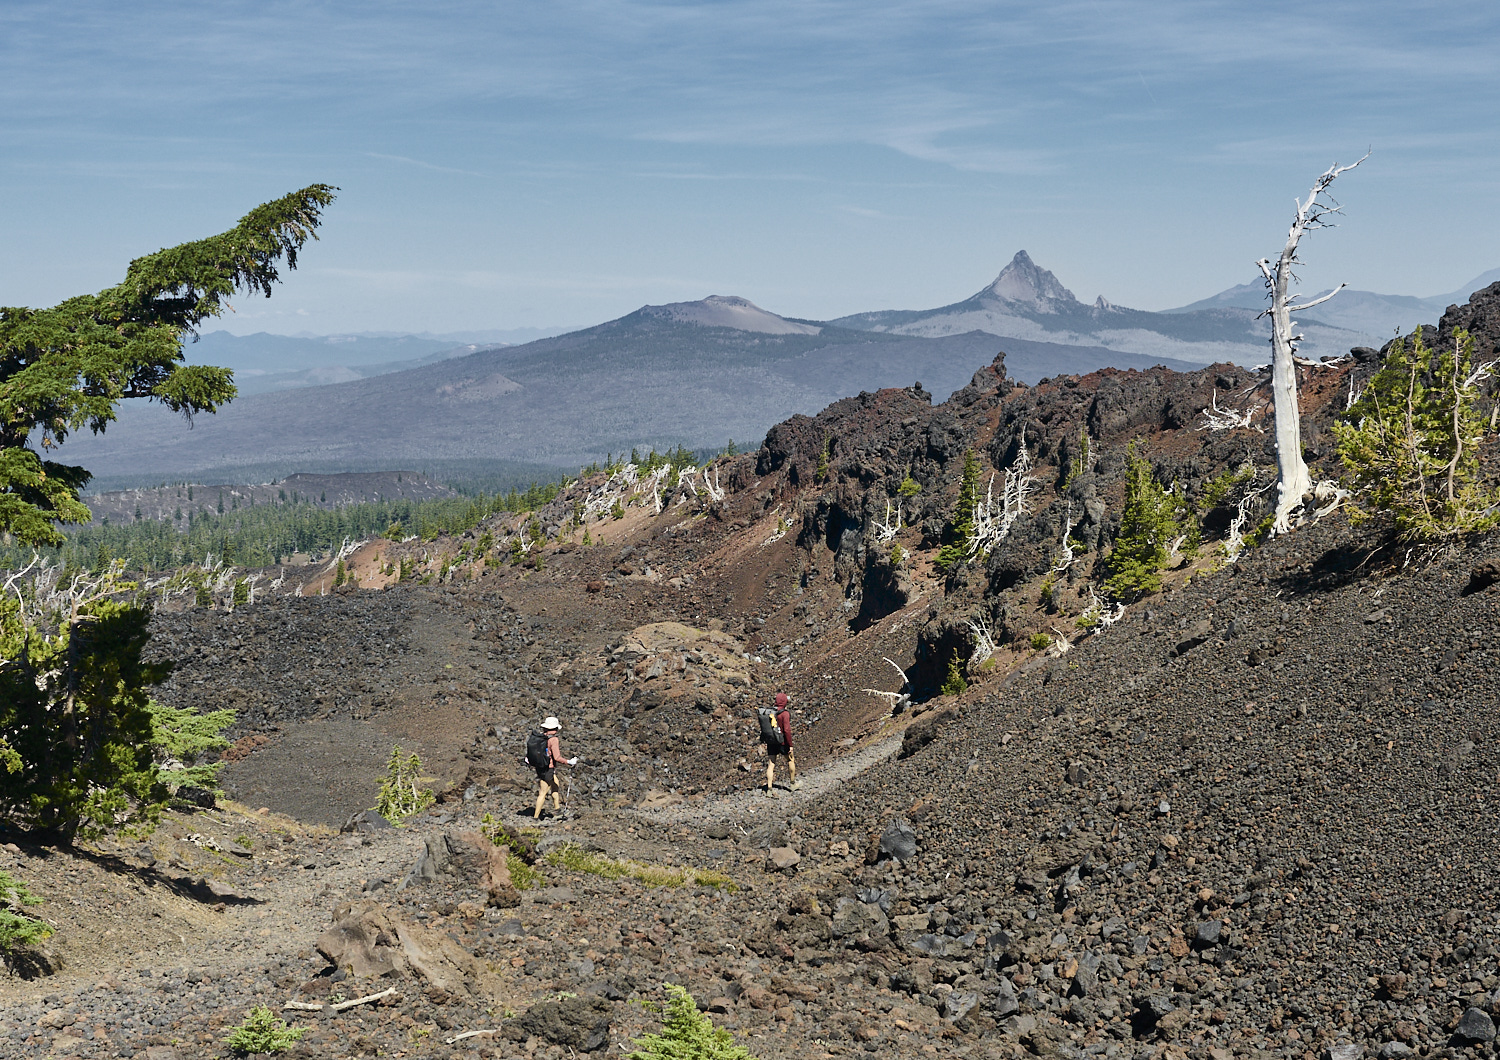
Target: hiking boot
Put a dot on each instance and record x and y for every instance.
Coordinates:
(796, 785)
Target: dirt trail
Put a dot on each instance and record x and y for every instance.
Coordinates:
(814, 782)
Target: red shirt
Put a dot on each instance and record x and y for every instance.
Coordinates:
(554, 751)
(784, 722)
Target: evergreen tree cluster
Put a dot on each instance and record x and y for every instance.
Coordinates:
(267, 534)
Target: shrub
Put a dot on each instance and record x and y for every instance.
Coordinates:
(898, 554)
(822, 473)
(686, 1034)
(1410, 443)
(16, 928)
(182, 738)
(909, 487)
(263, 1032)
(1040, 642)
(73, 707)
(400, 797)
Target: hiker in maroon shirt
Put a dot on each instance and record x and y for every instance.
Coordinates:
(784, 724)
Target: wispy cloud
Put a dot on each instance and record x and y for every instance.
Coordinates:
(422, 165)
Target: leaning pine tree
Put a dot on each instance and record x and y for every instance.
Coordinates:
(76, 745)
(1410, 443)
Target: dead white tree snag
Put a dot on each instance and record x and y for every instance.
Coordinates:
(1293, 479)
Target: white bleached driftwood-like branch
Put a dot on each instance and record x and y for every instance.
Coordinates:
(992, 523)
(984, 641)
(900, 700)
(1219, 418)
(886, 531)
(1065, 554)
(1099, 616)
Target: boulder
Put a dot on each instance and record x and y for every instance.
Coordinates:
(1475, 1026)
(899, 840)
(859, 921)
(365, 821)
(580, 1023)
(369, 941)
(782, 859)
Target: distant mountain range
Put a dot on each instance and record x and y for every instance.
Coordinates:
(1027, 301)
(690, 373)
(1381, 315)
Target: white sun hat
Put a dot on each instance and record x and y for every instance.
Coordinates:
(551, 723)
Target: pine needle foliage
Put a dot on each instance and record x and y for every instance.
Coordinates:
(1410, 443)
(1152, 517)
(183, 737)
(73, 707)
(16, 928)
(686, 1034)
(954, 683)
(263, 1032)
(66, 368)
(400, 793)
(960, 530)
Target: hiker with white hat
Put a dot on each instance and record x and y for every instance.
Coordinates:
(543, 753)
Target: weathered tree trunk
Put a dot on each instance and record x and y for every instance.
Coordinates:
(1293, 479)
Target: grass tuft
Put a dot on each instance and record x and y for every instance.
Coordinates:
(575, 859)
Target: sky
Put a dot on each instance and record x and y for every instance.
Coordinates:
(512, 165)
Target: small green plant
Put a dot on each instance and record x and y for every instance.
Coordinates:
(954, 684)
(241, 592)
(909, 487)
(686, 1034)
(1048, 594)
(587, 540)
(263, 1032)
(822, 473)
(202, 597)
(575, 859)
(1040, 642)
(340, 574)
(400, 796)
(617, 511)
(898, 554)
(16, 928)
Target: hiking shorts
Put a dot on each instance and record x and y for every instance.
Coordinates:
(548, 777)
(778, 750)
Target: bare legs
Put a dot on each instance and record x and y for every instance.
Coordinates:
(791, 765)
(542, 798)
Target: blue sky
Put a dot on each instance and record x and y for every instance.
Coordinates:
(508, 165)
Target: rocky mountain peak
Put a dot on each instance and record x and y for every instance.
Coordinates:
(1024, 281)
